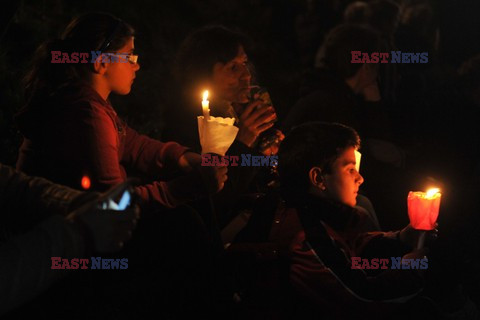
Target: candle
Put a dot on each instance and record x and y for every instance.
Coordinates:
(423, 208)
(358, 157)
(205, 106)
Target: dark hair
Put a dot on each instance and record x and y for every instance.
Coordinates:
(202, 49)
(335, 53)
(356, 12)
(383, 15)
(90, 32)
(313, 144)
(469, 74)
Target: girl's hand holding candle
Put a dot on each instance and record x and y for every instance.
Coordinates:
(216, 133)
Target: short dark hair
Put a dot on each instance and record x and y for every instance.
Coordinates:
(313, 144)
(202, 49)
(356, 12)
(469, 74)
(335, 53)
(383, 15)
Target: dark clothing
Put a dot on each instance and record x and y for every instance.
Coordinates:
(33, 209)
(182, 126)
(326, 97)
(321, 262)
(82, 136)
(75, 133)
(25, 201)
(261, 256)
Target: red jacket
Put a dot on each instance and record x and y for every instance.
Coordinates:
(328, 236)
(76, 133)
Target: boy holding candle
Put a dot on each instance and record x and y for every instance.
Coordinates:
(319, 180)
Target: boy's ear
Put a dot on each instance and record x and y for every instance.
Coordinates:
(99, 66)
(316, 178)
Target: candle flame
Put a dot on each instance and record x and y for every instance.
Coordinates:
(431, 192)
(205, 95)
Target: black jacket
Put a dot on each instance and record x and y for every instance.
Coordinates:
(326, 97)
(34, 229)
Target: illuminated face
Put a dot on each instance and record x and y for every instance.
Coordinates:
(343, 182)
(120, 75)
(231, 81)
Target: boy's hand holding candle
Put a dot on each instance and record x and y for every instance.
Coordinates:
(410, 236)
(423, 208)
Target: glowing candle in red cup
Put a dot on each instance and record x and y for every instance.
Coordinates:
(423, 208)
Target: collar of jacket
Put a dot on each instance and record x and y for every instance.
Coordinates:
(340, 217)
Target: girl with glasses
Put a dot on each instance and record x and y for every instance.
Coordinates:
(73, 136)
(72, 132)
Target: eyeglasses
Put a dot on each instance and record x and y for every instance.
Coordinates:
(131, 58)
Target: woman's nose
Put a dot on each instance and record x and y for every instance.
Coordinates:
(246, 74)
(136, 66)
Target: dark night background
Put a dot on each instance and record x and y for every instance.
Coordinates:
(429, 120)
(286, 34)
(282, 31)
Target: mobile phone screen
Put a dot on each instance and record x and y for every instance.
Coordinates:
(122, 204)
(124, 201)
